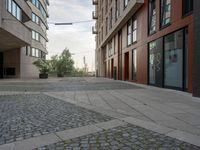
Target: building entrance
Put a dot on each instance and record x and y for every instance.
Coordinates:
(126, 67)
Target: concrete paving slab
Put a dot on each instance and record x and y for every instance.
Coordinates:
(180, 125)
(148, 125)
(77, 132)
(31, 143)
(189, 118)
(186, 137)
(111, 124)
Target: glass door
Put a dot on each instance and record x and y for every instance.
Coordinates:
(173, 60)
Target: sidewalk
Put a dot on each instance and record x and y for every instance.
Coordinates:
(128, 107)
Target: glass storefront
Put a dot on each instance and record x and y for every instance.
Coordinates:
(152, 67)
(168, 61)
(173, 52)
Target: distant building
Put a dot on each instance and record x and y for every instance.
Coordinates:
(146, 41)
(23, 25)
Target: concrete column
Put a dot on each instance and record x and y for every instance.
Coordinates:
(196, 50)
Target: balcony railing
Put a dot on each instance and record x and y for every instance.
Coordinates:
(94, 15)
(95, 2)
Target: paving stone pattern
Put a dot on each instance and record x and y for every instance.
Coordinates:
(65, 85)
(26, 116)
(128, 137)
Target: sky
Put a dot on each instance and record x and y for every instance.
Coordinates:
(78, 38)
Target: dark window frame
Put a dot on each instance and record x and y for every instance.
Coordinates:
(150, 16)
(190, 10)
(162, 15)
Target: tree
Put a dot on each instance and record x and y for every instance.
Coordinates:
(43, 66)
(63, 64)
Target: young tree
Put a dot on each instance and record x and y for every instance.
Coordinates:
(64, 64)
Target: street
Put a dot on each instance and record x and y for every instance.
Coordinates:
(96, 113)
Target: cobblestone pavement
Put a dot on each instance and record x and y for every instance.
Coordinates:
(128, 137)
(26, 116)
(65, 85)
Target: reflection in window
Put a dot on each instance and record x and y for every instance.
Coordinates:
(152, 65)
(165, 12)
(125, 3)
(152, 16)
(14, 9)
(134, 65)
(174, 59)
(187, 6)
(134, 30)
(129, 33)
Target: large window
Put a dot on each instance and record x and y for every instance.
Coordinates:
(117, 10)
(165, 12)
(173, 63)
(111, 18)
(187, 6)
(134, 32)
(35, 35)
(36, 3)
(35, 18)
(152, 64)
(39, 6)
(129, 33)
(125, 3)
(134, 64)
(14, 9)
(152, 16)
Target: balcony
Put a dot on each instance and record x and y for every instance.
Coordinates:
(94, 15)
(26, 10)
(95, 2)
(94, 30)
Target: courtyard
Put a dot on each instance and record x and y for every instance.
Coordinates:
(96, 113)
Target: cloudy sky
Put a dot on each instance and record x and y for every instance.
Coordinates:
(77, 38)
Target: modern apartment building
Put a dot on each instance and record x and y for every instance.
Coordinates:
(23, 26)
(146, 41)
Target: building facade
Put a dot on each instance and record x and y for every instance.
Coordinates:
(145, 41)
(23, 26)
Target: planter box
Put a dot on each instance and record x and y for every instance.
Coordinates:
(43, 76)
(60, 75)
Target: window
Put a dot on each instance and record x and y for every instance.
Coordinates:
(125, 3)
(110, 49)
(35, 35)
(152, 64)
(37, 4)
(28, 50)
(106, 25)
(187, 6)
(9, 5)
(134, 30)
(111, 19)
(14, 9)
(173, 61)
(129, 33)
(35, 18)
(134, 64)
(117, 4)
(152, 16)
(37, 53)
(165, 12)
